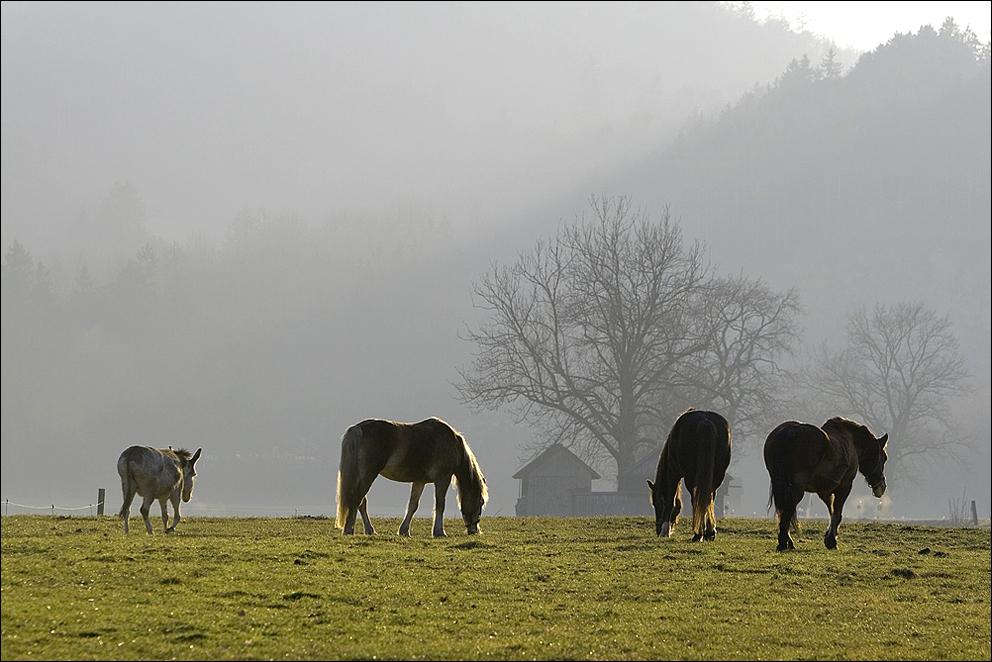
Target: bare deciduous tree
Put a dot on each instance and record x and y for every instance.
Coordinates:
(897, 374)
(603, 334)
(750, 328)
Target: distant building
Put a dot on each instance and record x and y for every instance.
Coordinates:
(631, 498)
(557, 483)
(550, 482)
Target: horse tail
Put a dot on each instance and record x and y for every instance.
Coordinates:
(780, 492)
(348, 475)
(702, 494)
(127, 483)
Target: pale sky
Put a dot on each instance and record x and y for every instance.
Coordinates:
(865, 25)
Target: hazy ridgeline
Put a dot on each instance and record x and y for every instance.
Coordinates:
(262, 335)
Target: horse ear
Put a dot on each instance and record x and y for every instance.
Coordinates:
(650, 486)
(196, 456)
(884, 440)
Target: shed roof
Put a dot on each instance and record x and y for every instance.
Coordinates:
(556, 454)
(646, 466)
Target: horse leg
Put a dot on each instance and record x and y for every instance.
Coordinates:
(698, 524)
(146, 507)
(785, 541)
(363, 508)
(415, 491)
(787, 519)
(836, 508)
(125, 512)
(362, 491)
(440, 491)
(710, 532)
(164, 503)
(176, 517)
(676, 500)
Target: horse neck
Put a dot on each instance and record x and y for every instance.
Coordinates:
(863, 446)
(468, 476)
(862, 441)
(465, 472)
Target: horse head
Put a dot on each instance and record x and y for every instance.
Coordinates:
(871, 462)
(471, 502)
(189, 471)
(662, 523)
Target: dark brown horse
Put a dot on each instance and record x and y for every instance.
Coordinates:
(427, 452)
(697, 451)
(804, 458)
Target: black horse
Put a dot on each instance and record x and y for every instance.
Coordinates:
(698, 451)
(804, 458)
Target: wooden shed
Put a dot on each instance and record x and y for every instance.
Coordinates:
(637, 477)
(550, 482)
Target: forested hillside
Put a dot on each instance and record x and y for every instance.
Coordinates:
(857, 187)
(263, 342)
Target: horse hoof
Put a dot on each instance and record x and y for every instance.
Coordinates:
(697, 537)
(710, 536)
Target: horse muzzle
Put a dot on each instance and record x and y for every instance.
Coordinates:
(879, 489)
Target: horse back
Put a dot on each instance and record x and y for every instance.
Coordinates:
(152, 471)
(698, 432)
(798, 447)
(809, 457)
(410, 452)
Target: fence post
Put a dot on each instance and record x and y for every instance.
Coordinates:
(99, 502)
(974, 513)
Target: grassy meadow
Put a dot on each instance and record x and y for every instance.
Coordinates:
(526, 588)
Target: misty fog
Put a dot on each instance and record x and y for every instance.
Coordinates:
(256, 225)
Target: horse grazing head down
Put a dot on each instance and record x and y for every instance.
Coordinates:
(472, 491)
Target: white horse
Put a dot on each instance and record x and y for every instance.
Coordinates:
(156, 473)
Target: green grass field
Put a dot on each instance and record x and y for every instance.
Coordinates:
(527, 588)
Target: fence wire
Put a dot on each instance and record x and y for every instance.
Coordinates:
(52, 508)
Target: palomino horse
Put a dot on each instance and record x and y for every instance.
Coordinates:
(156, 473)
(419, 453)
(804, 458)
(698, 451)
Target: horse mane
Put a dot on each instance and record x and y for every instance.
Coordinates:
(857, 431)
(842, 424)
(474, 478)
(182, 452)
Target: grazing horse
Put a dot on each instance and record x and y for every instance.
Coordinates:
(697, 451)
(419, 453)
(156, 473)
(804, 458)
